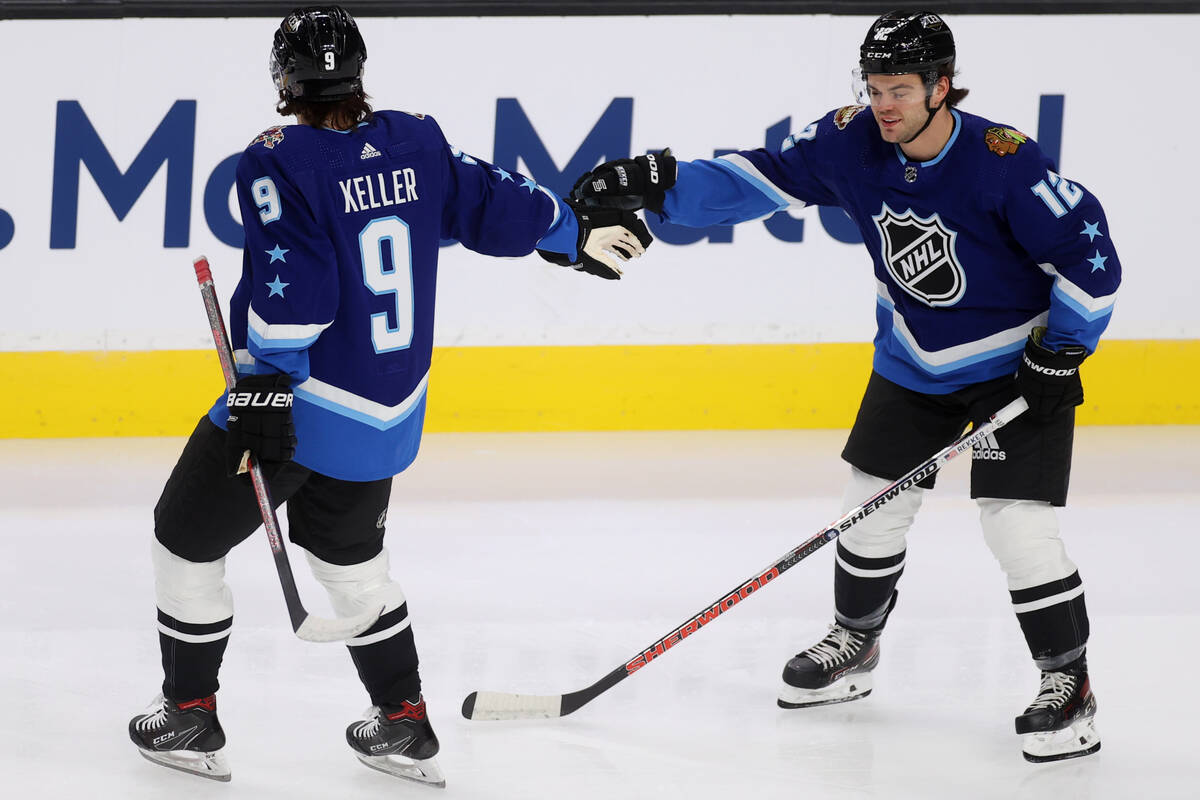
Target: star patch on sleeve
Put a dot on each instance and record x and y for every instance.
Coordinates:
(1091, 230)
(277, 286)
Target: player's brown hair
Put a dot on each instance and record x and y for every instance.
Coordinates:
(954, 96)
(339, 114)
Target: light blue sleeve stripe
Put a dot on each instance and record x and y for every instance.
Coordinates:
(767, 189)
(1073, 330)
(1068, 301)
(289, 362)
(270, 345)
(709, 193)
(563, 235)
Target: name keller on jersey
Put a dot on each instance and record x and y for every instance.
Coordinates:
(379, 190)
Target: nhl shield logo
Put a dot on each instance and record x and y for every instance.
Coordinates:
(919, 255)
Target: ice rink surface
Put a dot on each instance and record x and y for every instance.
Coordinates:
(540, 562)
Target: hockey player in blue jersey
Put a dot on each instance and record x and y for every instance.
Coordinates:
(332, 328)
(988, 265)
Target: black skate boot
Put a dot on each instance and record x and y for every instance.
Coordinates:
(834, 670)
(1060, 723)
(398, 740)
(186, 736)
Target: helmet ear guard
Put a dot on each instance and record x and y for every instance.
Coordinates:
(318, 55)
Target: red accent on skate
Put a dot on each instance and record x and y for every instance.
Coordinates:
(409, 711)
(207, 703)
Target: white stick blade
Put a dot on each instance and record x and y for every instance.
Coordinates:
(500, 705)
(319, 629)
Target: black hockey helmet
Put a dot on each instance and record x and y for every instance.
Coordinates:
(901, 42)
(318, 55)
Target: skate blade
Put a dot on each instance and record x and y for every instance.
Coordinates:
(843, 690)
(425, 771)
(207, 765)
(1079, 740)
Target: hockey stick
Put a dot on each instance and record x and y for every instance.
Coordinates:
(306, 626)
(501, 705)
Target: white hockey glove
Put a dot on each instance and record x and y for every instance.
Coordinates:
(607, 238)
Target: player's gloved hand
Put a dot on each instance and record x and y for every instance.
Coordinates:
(260, 421)
(1049, 381)
(629, 183)
(607, 237)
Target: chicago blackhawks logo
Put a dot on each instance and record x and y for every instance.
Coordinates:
(269, 138)
(919, 255)
(1003, 141)
(844, 114)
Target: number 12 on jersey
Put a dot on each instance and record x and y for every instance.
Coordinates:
(1069, 192)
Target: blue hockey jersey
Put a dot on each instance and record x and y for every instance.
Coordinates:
(971, 249)
(339, 273)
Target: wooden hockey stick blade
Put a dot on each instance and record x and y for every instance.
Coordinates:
(320, 629)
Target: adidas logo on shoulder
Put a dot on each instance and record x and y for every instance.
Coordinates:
(369, 151)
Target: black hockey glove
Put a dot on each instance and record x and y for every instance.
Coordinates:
(629, 183)
(260, 421)
(1049, 381)
(607, 236)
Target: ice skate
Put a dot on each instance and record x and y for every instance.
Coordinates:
(184, 736)
(1060, 723)
(398, 740)
(836, 669)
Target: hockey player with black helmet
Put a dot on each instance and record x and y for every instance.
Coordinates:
(995, 276)
(332, 331)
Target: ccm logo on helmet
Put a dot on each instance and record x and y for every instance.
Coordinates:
(259, 400)
(1057, 373)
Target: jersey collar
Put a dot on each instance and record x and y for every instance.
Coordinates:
(945, 149)
(359, 125)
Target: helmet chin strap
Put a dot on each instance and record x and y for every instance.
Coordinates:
(929, 119)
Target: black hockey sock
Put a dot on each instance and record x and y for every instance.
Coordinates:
(388, 669)
(190, 668)
(865, 597)
(1057, 633)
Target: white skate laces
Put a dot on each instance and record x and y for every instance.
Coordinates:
(155, 715)
(1055, 689)
(370, 726)
(839, 645)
